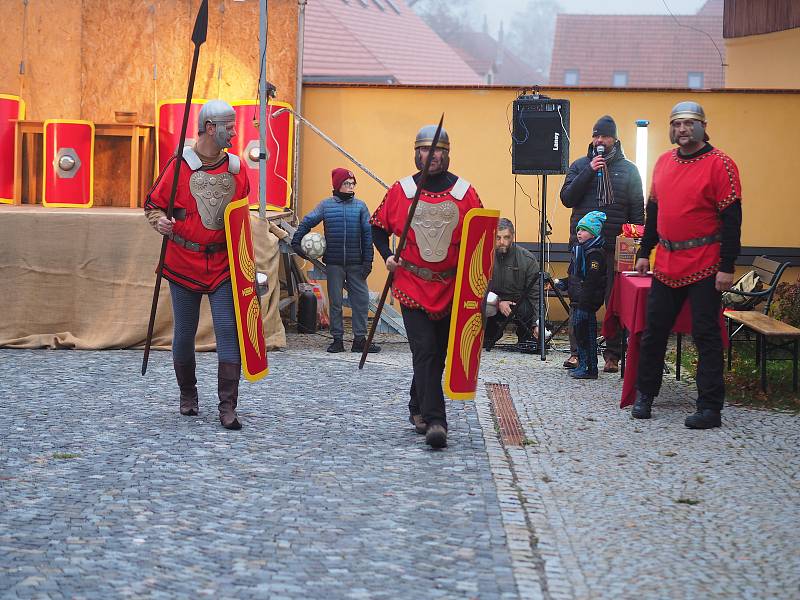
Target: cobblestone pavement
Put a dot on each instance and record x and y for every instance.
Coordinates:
(649, 509)
(327, 492)
(106, 491)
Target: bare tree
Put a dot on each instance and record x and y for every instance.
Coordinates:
(445, 17)
(531, 32)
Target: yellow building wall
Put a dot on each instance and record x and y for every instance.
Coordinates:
(764, 61)
(377, 125)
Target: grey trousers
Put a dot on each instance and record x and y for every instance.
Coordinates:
(349, 277)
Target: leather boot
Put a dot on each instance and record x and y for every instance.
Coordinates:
(420, 426)
(704, 418)
(436, 436)
(642, 408)
(228, 389)
(187, 382)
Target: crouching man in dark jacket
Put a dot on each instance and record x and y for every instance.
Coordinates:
(348, 256)
(515, 281)
(604, 180)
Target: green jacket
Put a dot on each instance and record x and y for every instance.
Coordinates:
(515, 272)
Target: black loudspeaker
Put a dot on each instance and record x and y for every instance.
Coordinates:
(540, 136)
(307, 313)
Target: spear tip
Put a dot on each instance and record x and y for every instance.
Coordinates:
(201, 25)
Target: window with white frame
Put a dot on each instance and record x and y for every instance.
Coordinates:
(571, 77)
(695, 80)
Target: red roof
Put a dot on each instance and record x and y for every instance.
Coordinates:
(654, 50)
(480, 51)
(377, 40)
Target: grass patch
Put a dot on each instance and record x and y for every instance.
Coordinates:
(65, 455)
(689, 501)
(743, 381)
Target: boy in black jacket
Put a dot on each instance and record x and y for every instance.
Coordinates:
(587, 283)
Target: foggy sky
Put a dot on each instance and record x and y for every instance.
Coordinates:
(497, 10)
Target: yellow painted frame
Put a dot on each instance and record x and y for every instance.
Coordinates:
(240, 334)
(20, 116)
(462, 257)
(289, 149)
(44, 164)
(158, 112)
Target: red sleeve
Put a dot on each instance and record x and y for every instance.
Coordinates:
(390, 215)
(158, 197)
(477, 198)
(653, 196)
(378, 218)
(725, 179)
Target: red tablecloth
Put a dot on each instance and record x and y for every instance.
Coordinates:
(627, 308)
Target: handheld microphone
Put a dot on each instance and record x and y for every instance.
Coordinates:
(600, 150)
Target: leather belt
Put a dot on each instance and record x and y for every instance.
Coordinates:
(693, 243)
(428, 274)
(196, 246)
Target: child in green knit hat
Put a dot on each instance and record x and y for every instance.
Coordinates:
(587, 285)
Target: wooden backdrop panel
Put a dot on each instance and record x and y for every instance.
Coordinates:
(86, 60)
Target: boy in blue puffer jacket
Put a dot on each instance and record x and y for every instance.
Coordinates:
(348, 256)
(587, 284)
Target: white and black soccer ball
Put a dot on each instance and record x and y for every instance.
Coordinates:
(313, 244)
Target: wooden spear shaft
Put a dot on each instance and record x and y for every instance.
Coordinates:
(401, 243)
(199, 35)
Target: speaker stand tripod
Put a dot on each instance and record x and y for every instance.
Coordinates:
(542, 273)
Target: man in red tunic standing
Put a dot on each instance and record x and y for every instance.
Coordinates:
(694, 216)
(424, 277)
(196, 262)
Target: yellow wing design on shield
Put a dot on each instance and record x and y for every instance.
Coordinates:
(477, 278)
(253, 318)
(247, 263)
(470, 333)
(478, 282)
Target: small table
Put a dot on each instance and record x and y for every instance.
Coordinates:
(627, 308)
(135, 131)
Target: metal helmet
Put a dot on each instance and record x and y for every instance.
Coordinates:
(425, 138)
(687, 109)
(214, 111)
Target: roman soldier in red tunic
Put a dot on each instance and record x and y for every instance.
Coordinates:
(196, 260)
(424, 278)
(694, 217)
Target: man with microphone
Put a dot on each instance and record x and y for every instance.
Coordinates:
(603, 180)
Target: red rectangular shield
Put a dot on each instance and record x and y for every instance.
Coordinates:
(241, 259)
(279, 141)
(475, 264)
(169, 120)
(12, 109)
(68, 167)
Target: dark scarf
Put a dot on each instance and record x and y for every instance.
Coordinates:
(344, 196)
(605, 193)
(578, 265)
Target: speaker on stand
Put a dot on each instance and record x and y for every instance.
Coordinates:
(540, 146)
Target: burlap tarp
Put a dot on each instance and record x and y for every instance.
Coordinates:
(83, 279)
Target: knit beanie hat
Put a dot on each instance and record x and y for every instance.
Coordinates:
(605, 126)
(338, 177)
(592, 222)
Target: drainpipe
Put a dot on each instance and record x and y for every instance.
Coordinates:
(298, 103)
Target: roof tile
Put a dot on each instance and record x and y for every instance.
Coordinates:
(655, 50)
(348, 40)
